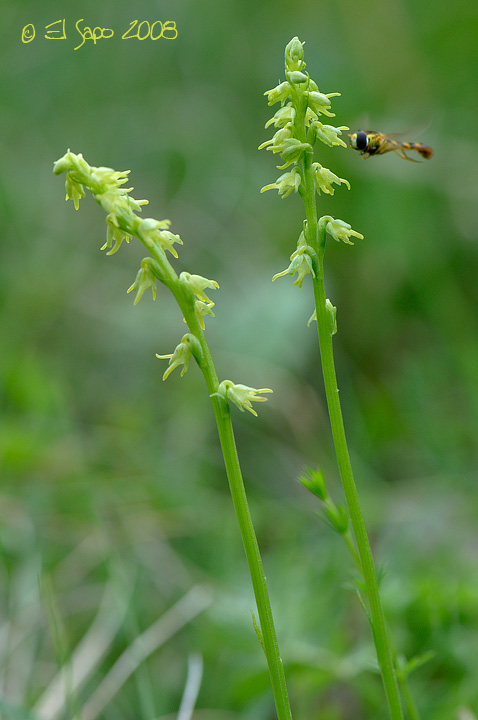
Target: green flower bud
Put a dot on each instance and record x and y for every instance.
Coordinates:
(294, 55)
(296, 77)
(314, 481)
(312, 133)
(332, 311)
(79, 163)
(64, 163)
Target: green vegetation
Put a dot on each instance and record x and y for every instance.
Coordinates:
(112, 485)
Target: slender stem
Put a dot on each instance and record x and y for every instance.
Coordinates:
(241, 506)
(125, 220)
(379, 630)
(236, 484)
(412, 710)
(248, 535)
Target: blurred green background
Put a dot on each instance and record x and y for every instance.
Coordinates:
(112, 485)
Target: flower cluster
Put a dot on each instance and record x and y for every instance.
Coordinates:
(105, 184)
(299, 126)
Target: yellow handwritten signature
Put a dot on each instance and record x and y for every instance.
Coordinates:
(143, 30)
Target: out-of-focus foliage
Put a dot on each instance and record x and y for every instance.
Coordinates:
(107, 473)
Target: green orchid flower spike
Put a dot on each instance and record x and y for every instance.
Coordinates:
(299, 132)
(300, 126)
(191, 294)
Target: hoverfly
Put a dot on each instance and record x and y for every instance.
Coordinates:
(370, 143)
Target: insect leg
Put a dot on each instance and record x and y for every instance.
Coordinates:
(401, 153)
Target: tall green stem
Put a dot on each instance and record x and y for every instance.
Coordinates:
(316, 240)
(236, 484)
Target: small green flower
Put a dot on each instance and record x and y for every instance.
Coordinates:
(107, 179)
(338, 229)
(301, 263)
(154, 232)
(287, 144)
(189, 346)
(292, 151)
(196, 285)
(114, 236)
(320, 103)
(283, 116)
(278, 94)
(119, 206)
(241, 395)
(329, 135)
(324, 179)
(286, 183)
(74, 190)
(144, 279)
(202, 309)
(278, 139)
